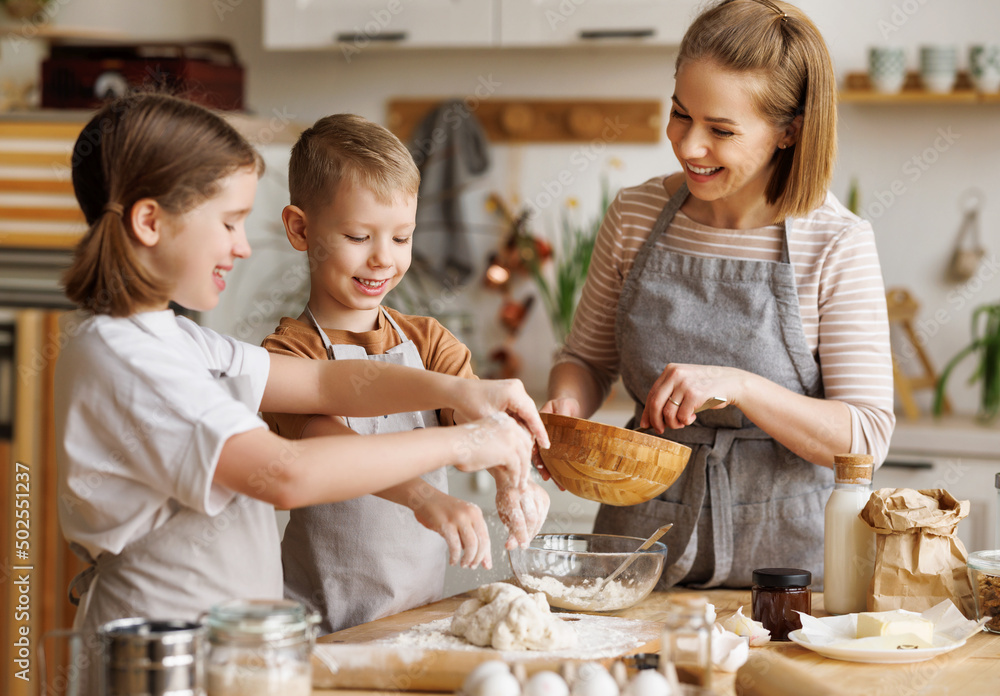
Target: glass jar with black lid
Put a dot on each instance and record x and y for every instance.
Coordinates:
(777, 594)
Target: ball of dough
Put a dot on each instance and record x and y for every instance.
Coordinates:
(505, 617)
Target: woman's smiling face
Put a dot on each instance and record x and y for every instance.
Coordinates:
(724, 144)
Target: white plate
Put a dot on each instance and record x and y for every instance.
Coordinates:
(845, 652)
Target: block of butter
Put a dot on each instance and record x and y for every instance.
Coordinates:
(894, 623)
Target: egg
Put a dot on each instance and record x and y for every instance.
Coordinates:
(483, 670)
(592, 679)
(494, 683)
(648, 682)
(546, 684)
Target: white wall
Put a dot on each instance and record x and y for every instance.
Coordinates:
(877, 143)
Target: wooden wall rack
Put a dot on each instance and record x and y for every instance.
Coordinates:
(543, 120)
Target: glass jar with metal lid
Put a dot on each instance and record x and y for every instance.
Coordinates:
(260, 648)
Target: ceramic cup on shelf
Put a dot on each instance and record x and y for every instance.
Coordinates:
(984, 67)
(887, 68)
(938, 68)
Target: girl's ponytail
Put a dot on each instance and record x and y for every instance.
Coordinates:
(142, 146)
(106, 276)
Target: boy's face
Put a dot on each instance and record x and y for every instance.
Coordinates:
(359, 249)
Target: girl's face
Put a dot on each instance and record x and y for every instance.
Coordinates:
(724, 145)
(360, 249)
(199, 247)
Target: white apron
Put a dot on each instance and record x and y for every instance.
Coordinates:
(182, 568)
(359, 560)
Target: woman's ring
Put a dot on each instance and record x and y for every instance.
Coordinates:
(675, 403)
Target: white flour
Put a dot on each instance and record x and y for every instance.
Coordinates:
(615, 595)
(597, 637)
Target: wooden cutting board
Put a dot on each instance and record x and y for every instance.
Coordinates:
(349, 659)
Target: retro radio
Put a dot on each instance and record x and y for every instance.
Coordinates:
(82, 76)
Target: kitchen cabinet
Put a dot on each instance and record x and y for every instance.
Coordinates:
(356, 25)
(955, 453)
(592, 22)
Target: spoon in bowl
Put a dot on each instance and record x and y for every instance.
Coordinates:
(634, 555)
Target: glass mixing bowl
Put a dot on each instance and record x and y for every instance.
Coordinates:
(569, 567)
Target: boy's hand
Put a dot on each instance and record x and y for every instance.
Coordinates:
(522, 510)
(495, 441)
(461, 524)
(479, 398)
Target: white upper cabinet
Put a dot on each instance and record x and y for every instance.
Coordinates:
(584, 22)
(355, 25)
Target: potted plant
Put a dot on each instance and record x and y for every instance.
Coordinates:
(570, 260)
(986, 344)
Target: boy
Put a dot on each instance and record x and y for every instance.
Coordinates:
(353, 192)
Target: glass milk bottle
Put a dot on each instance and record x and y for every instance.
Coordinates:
(686, 643)
(849, 543)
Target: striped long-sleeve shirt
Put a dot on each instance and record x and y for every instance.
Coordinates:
(838, 279)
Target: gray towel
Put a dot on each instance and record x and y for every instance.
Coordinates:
(450, 149)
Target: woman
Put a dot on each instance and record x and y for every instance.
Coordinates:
(740, 277)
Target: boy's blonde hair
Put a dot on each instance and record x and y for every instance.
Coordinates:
(778, 46)
(348, 148)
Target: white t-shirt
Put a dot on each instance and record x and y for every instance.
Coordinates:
(140, 423)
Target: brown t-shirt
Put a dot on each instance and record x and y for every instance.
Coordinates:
(439, 351)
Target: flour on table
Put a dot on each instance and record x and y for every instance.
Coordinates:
(505, 617)
(596, 637)
(615, 595)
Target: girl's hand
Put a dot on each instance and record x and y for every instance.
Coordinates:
(479, 398)
(681, 389)
(522, 511)
(495, 441)
(461, 524)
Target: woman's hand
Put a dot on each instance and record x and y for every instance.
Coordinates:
(460, 523)
(479, 398)
(682, 389)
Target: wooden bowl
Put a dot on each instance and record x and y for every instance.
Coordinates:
(611, 465)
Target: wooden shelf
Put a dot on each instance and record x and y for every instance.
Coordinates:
(543, 120)
(858, 90)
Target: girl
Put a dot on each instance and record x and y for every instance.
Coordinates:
(167, 476)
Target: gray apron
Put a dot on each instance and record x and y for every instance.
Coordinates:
(744, 501)
(362, 559)
(183, 567)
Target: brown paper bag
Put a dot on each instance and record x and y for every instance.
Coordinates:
(919, 561)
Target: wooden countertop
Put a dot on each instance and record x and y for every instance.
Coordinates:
(972, 670)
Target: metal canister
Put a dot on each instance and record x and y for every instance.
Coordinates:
(143, 657)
